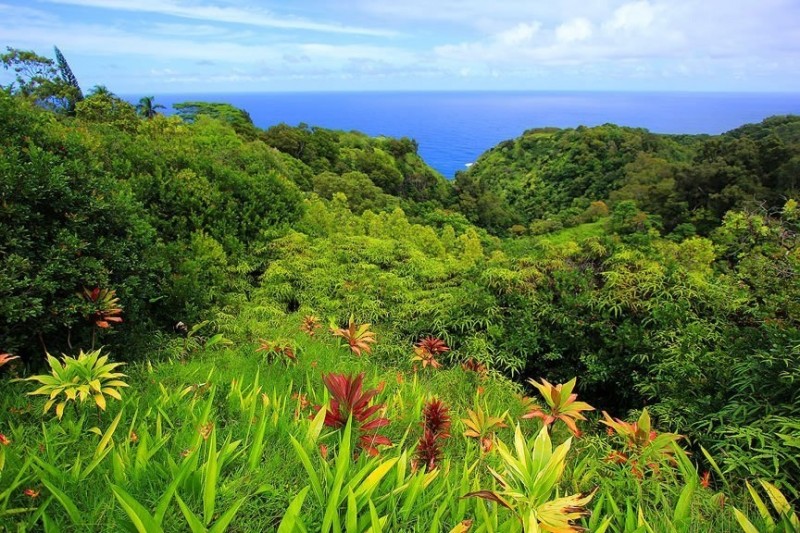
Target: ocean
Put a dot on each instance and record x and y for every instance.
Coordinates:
(454, 128)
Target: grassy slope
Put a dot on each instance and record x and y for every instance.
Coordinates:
(152, 396)
(155, 410)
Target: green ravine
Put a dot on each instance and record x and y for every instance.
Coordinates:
(246, 278)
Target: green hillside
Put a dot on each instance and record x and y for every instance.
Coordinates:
(207, 326)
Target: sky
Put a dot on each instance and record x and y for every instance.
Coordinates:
(223, 46)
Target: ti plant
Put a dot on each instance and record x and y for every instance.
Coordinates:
(358, 336)
(482, 426)
(529, 483)
(561, 405)
(90, 375)
(278, 348)
(310, 325)
(472, 365)
(349, 399)
(643, 445)
(787, 519)
(5, 358)
(426, 350)
(105, 308)
(435, 430)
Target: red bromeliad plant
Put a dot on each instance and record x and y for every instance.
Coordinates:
(562, 405)
(436, 428)
(348, 399)
(105, 307)
(358, 336)
(642, 444)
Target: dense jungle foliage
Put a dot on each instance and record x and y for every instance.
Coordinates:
(246, 275)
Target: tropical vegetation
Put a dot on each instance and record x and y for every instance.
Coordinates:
(590, 328)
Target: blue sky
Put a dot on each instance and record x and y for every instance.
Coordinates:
(202, 46)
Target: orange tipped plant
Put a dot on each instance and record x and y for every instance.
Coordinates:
(105, 307)
(561, 403)
(642, 443)
(427, 349)
(471, 365)
(349, 399)
(310, 325)
(5, 358)
(275, 348)
(482, 426)
(358, 336)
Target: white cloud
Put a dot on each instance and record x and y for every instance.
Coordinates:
(520, 34)
(634, 16)
(575, 30)
(233, 15)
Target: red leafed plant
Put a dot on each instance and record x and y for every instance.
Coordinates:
(427, 349)
(105, 306)
(561, 403)
(275, 348)
(348, 398)
(436, 428)
(472, 365)
(433, 345)
(358, 336)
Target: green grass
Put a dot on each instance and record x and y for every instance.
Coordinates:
(575, 234)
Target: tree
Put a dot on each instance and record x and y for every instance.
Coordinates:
(70, 79)
(239, 119)
(147, 107)
(37, 79)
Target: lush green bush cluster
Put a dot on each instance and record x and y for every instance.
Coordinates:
(549, 177)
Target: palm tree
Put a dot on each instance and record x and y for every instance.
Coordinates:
(101, 90)
(147, 108)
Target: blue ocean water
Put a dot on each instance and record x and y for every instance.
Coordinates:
(454, 128)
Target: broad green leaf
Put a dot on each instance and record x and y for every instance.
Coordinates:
(141, 519)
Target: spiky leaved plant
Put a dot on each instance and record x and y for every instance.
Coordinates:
(482, 426)
(349, 399)
(278, 348)
(472, 365)
(5, 358)
(427, 349)
(426, 358)
(105, 307)
(642, 444)
(529, 483)
(310, 325)
(358, 336)
(433, 345)
(90, 375)
(561, 403)
(435, 429)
